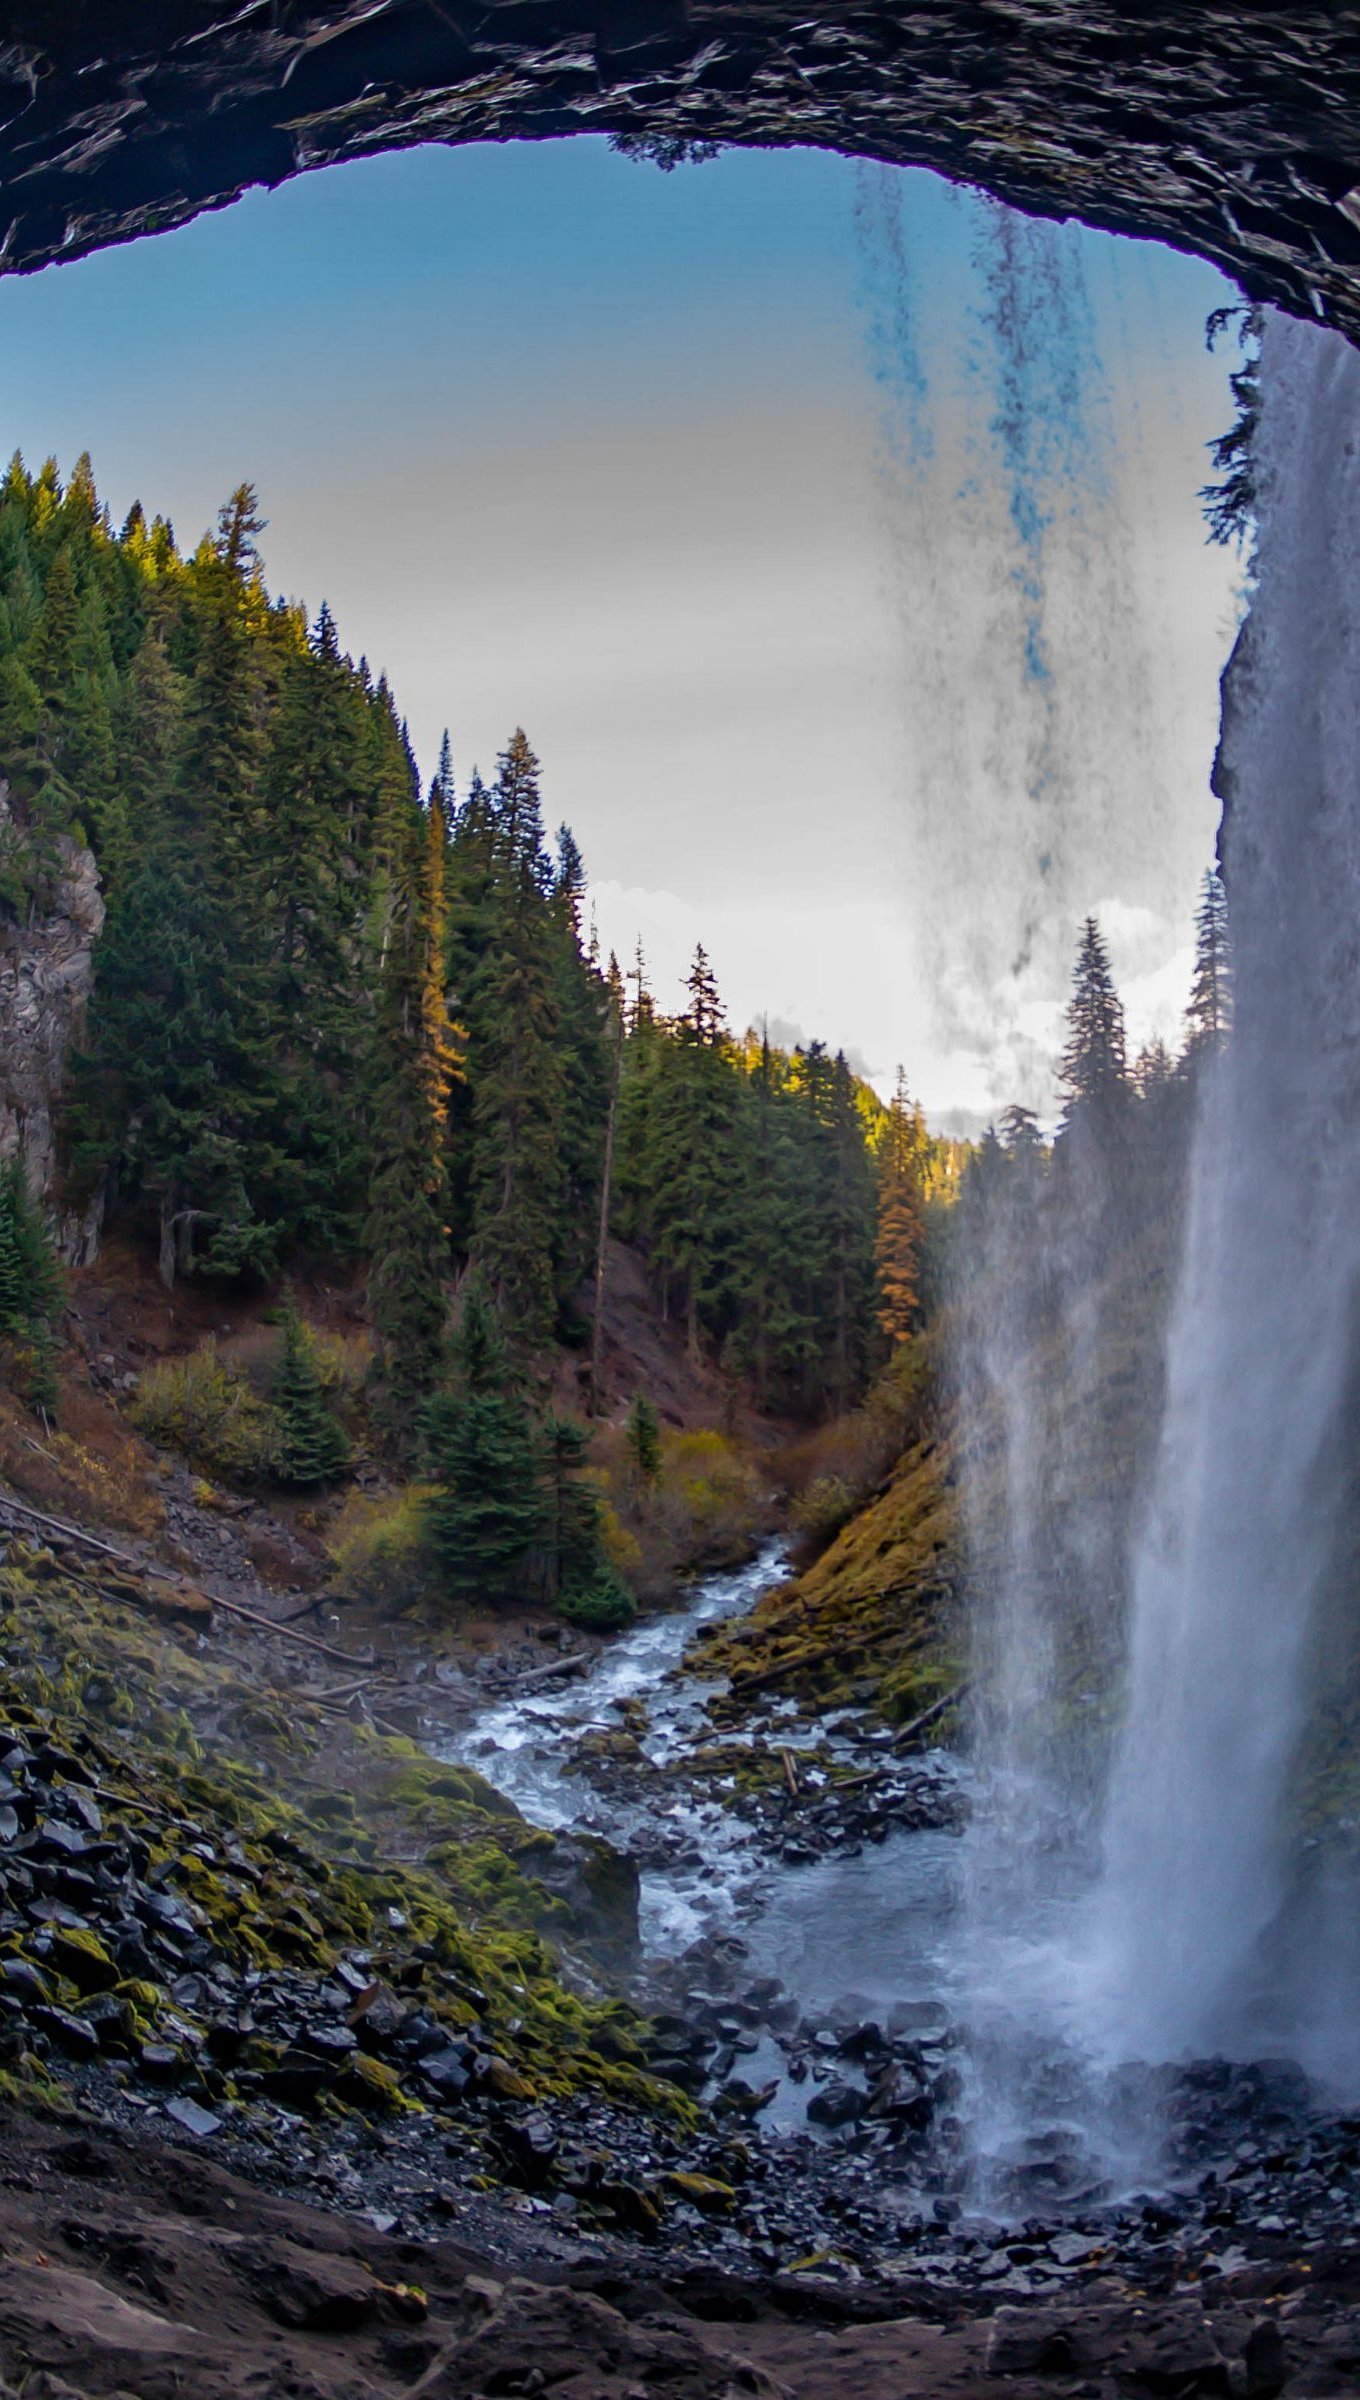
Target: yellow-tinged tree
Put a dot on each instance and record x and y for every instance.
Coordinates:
(443, 1043)
(897, 1244)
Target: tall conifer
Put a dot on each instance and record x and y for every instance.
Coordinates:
(1208, 1019)
(485, 1512)
(897, 1246)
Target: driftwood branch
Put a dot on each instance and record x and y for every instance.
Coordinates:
(559, 1666)
(928, 1717)
(931, 1716)
(140, 1566)
(744, 1686)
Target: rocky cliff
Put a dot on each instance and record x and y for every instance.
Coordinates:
(46, 970)
(1233, 131)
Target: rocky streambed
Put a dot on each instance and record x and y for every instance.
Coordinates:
(801, 1896)
(780, 2145)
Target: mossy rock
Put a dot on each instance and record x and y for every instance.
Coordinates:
(505, 2082)
(145, 1997)
(83, 1959)
(706, 2192)
(370, 2085)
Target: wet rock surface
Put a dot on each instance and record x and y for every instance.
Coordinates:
(767, 2189)
(46, 974)
(1233, 131)
(131, 2266)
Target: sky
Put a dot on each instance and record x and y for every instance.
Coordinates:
(832, 534)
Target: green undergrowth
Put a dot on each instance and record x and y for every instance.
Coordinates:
(311, 1852)
(872, 1622)
(894, 1613)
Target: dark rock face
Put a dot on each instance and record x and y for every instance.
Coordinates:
(46, 972)
(1233, 131)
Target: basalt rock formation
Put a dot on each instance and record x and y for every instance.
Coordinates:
(1233, 131)
(46, 973)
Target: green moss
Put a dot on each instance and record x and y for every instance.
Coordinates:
(474, 1915)
(83, 1959)
(373, 2087)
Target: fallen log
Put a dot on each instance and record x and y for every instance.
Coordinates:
(559, 1666)
(931, 1716)
(86, 1541)
(286, 1633)
(142, 1566)
(343, 1693)
(928, 1717)
(743, 1686)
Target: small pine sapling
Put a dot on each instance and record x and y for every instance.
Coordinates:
(484, 1512)
(312, 1446)
(30, 1291)
(642, 1441)
(584, 1583)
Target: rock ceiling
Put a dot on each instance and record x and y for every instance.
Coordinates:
(1231, 131)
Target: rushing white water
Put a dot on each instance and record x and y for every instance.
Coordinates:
(527, 1747)
(1144, 1891)
(1055, 734)
(1233, 1564)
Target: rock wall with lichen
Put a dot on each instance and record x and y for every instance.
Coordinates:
(46, 971)
(1233, 131)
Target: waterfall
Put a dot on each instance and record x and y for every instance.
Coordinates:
(1142, 1884)
(1231, 1572)
(1156, 1386)
(1039, 692)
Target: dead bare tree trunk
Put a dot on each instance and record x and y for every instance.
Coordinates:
(602, 1232)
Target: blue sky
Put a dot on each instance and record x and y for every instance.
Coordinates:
(698, 477)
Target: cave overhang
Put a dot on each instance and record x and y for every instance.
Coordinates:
(1231, 131)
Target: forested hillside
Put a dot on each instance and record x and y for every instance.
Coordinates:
(339, 1016)
(1006, 1457)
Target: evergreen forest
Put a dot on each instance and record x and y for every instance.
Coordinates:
(338, 1015)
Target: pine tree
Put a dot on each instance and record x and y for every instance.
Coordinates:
(897, 1246)
(642, 1441)
(585, 1586)
(847, 1215)
(441, 1040)
(1153, 1069)
(30, 1290)
(587, 1046)
(1093, 1073)
(407, 1230)
(514, 1020)
(615, 1034)
(312, 1446)
(691, 1164)
(30, 1279)
(1208, 1019)
(485, 1512)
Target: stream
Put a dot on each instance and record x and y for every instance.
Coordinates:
(859, 1934)
(835, 2000)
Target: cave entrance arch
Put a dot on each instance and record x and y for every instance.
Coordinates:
(1233, 132)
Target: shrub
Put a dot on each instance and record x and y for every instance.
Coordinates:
(829, 1474)
(604, 1605)
(344, 1363)
(312, 1448)
(380, 1546)
(201, 1407)
(707, 1508)
(819, 1513)
(621, 1546)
